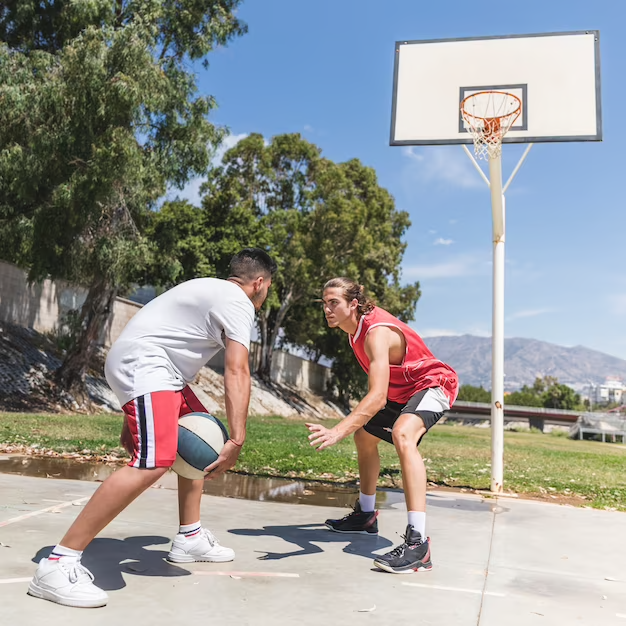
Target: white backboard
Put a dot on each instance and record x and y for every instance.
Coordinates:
(556, 75)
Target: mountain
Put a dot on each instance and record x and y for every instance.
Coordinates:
(525, 360)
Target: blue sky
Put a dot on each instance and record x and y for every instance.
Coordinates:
(324, 68)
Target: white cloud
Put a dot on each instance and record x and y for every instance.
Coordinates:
(229, 142)
(442, 164)
(529, 313)
(452, 221)
(442, 242)
(308, 128)
(191, 191)
(432, 232)
(465, 265)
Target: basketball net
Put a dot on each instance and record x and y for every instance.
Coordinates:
(488, 116)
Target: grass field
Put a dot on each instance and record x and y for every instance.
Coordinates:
(581, 472)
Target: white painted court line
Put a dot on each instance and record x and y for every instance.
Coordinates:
(442, 588)
(623, 615)
(8, 581)
(249, 574)
(50, 509)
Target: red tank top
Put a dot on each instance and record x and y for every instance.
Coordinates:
(419, 370)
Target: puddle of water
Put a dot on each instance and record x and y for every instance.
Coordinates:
(228, 485)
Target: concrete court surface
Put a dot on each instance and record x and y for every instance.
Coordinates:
(496, 562)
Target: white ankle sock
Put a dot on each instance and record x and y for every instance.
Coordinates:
(417, 519)
(189, 530)
(60, 551)
(368, 503)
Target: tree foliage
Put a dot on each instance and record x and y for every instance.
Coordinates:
(99, 113)
(317, 218)
(470, 393)
(545, 392)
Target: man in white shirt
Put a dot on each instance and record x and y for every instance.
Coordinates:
(149, 367)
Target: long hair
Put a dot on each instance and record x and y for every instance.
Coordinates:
(352, 291)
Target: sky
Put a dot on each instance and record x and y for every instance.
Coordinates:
(324, 68)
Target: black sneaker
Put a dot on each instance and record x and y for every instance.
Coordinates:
(412, 556)
(355, 522)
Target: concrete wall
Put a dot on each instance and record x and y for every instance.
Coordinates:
(123, 310)
(287, 369)
(40, 307)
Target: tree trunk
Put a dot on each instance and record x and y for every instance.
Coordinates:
(268, 337)
(263, 330)
(93, 316)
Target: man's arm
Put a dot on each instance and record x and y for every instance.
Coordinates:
(237, 392)
(377, 345)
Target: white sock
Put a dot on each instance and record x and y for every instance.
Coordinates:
(189, 530)
(67, 554)
(417, 519)
(368, 503)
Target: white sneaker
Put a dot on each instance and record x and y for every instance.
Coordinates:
(201, 547)
(66, 582)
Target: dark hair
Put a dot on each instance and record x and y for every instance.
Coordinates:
(250, 263)
(352, 291)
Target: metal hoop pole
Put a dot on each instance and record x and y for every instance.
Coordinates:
(475, 163)
(519, 164)
(497, 333)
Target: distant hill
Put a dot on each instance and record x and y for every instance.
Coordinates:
(524, 360)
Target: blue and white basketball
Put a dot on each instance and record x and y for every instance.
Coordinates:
(201, 438)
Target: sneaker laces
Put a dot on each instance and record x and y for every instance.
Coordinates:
(399, 551)
(354, 512)
(76, 571)
(209, 536)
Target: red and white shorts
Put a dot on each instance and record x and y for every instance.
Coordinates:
(153, 423)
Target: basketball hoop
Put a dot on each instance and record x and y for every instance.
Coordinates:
(489, 115)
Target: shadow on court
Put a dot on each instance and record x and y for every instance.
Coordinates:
(305, 536)
(108, 559)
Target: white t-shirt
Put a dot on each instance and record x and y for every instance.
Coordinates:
(167, 342)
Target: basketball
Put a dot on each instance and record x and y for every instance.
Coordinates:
(201, 438)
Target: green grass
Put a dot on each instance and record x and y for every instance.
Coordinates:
(583, 472)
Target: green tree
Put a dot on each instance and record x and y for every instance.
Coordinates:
(99, 113)
(558, 396)
(470, 393)
(546, 392)
(356, 231)
(317, 218)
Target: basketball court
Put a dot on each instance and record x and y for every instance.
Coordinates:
(495, 561)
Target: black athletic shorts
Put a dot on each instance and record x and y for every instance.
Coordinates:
(430, 404)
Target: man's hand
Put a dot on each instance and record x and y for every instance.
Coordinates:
(225, 461)
(126, 438)
(323, 437)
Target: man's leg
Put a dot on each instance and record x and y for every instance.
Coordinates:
(193, 542)
(407, 432)
(150, 432)
(189, 497)
(414, 554)
(369, 468)
(111, 498)
(362, 520)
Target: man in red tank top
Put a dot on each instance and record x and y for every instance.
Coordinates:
(409, 391)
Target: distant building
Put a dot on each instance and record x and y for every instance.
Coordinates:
(611, 391)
